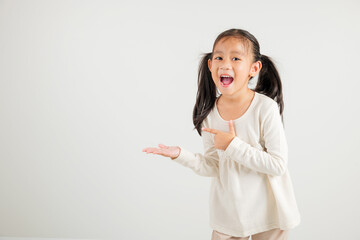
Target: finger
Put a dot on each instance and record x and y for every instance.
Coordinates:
(163, 146)
(158, 152)
(231, 127)
(149, 150)
(210, 130)
(152, 150)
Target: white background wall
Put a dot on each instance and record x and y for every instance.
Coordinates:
(86, 85)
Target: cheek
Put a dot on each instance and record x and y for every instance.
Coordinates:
(214, 76)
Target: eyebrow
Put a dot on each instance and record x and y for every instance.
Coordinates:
(241, 53)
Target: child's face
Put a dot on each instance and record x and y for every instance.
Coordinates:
(230, 57)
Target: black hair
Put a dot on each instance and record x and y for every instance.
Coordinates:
(269, 82)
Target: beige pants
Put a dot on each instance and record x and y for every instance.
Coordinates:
(273, 234)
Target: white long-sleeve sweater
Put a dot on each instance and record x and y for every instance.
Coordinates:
(251, 189)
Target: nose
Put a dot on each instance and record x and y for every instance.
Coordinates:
(225, 65)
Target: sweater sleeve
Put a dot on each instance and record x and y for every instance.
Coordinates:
(206, 164)
(274, 159)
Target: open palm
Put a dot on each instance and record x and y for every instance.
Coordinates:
(166, 151)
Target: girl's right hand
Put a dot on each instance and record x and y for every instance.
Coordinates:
(166, 151)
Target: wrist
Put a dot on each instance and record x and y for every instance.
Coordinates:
(172, 158)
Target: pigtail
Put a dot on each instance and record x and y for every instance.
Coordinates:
(206, 94)
(269, 82)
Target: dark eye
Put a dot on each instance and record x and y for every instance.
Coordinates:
(236, 58)
(217, 58)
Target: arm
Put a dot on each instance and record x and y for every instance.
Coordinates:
(274, 159)
(206, 164)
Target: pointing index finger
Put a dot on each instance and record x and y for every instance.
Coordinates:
(210, 130)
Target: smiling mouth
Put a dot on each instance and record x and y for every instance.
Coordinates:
(226, 81)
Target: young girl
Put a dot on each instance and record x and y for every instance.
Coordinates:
(246, 151)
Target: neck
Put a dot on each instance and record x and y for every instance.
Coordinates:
(239, 98)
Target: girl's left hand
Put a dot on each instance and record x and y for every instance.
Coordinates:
(222, 139)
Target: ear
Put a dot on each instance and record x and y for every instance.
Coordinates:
(209, 64)
(255, 68)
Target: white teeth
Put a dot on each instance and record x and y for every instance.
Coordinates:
(225, 76)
